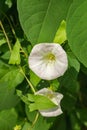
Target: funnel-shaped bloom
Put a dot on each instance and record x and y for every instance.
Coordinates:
(55, 98)
(48, 60)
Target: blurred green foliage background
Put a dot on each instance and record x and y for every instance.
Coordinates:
(20, 30)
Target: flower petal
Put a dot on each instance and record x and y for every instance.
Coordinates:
(46, 68)
(51, 112)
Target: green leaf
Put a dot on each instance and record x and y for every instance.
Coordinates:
(40, 102)
(38, 125)
(75, 124)
(40, 19)
(15, 54)
(30, 115)
(22, 97)
(54, 85)
(60, 36)
(40, 120)
(2, 41)
(6, 55)
(27, 126)
(8, 119)
(73, 62)
(34, 79)
(11, 75)
(69, 81)
(77, 30)
(68, 102)
(82, 115)
(60, 123)
(4, 68)
(8, 3)
(8, 99)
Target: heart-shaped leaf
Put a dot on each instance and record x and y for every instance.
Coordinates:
(40, 19)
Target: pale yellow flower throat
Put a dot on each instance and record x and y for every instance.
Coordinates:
(49, 57)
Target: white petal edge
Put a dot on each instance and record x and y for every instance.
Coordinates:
(51, 112)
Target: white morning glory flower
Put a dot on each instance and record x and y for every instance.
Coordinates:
(48, 60)
(55, 97)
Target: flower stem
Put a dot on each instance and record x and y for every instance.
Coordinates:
(32, 88)
(8, 42)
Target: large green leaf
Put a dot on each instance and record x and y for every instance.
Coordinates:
(10, 77)
(8, 98)
(8, 119)
(73, 62)
(69, 81)
(10, 74)
(70, 88)
(77, 29)
(40, 19)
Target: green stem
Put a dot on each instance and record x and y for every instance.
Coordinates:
(13, 31)
(36, 117)
(8, 42)
(32, 88)
(10, 25)
(22, 50)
